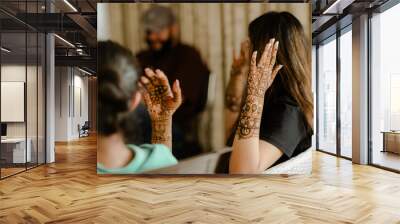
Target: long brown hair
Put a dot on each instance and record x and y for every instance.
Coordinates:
(294, 54)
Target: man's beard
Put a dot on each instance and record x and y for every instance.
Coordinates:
(166, 46)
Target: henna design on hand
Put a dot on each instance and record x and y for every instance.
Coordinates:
(161, 102)
(157, 93)
(260, 78)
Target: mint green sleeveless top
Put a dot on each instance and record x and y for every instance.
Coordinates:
(147, 157)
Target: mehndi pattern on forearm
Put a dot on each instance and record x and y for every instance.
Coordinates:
(250, 117)
(260, 78)
(161, 126)
(161, 102)
(161, 131)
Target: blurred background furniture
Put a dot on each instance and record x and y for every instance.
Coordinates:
(391, 141)
(203, 164)
(84, 129)
(13, 151)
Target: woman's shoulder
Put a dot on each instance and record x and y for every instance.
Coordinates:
(146, 157)
(283, 97)
(153, 156)
(149, 149)
(280, 95)
(282, 104)
(283, 110)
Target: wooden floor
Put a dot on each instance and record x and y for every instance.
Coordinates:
(69, 191)
(9, 171)
(5, 172)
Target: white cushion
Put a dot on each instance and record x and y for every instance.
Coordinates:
(300, 164)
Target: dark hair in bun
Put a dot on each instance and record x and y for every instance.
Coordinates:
(118, 72)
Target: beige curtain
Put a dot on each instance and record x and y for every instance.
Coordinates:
(215, 29)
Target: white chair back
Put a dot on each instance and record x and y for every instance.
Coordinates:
(300, 164)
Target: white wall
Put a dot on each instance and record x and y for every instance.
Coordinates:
(80, 89)
(62, 81)
(71, 94)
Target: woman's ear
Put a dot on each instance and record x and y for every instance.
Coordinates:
(136, 98)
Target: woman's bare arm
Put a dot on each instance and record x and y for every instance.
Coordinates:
(249, 154)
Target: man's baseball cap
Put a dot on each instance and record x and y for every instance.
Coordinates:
(158, 17)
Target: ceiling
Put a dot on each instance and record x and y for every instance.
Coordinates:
(331, 15)
(74, 21)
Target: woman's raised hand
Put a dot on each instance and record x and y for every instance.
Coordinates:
(260, 78)
(237, 82)
(160, 99)
(240, 62)
(263, 73)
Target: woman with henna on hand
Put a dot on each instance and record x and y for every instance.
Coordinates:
(270, 113)
(120, 93)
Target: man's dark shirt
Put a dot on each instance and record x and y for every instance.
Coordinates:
(184, 63)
